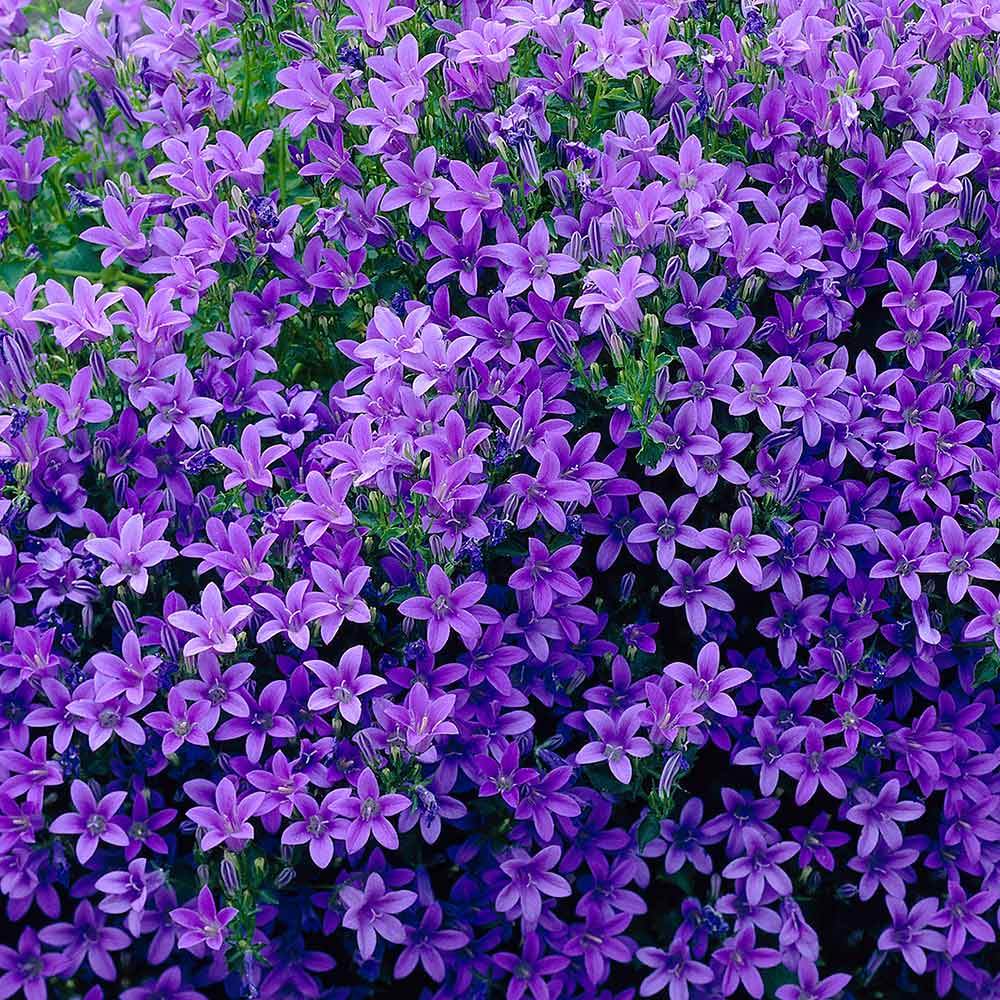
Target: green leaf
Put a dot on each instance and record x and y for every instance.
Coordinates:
(649, 830)
(987, 669)
(650, 453)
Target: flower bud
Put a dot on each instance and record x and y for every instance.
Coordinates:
(230, 876)
(123, 616)
(297, 43)
(661, 385)
(672, 272)
(99, 367)
(406, 252)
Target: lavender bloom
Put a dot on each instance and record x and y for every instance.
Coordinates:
(909, 932)
(343, 685)
(229, 822)
(372, 913)
(878, 815)
(962, 558)
(92, 822)
(450, 608)
(203, 923)
(139, 547)
(212, 630)
(738, 548)
(617, 741)
(368, 812)
(530, 877)
(27, 967)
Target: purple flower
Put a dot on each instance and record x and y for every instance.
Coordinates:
(92, 822)
(417, 186)
(694, 591)
(666, 526)
(906, 552)
(368, 812)
(909, 932)
(811, 987)
(317, 826)
(203, 924)
(139, 546)
(760, 866)
(372, 913)
(229, 822)
(530, 878)
(740, 960)
(941, 170)
(75, 407)
(212, 629)
(764, 392)
(373, 18)
(617, 741)
(532, 265)
(544, 575)
(127, 892)
(615, 295)
(425, 943)
(962, 557)
(342, 686)
(448, 609)
(27, 967)
(738, 548)
(877, 814)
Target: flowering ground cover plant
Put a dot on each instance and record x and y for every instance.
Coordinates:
(499, 500)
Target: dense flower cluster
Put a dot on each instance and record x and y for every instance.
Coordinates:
(500, 497)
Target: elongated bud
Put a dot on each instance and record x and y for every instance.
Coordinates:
(671, 769)
(529, 160)
(121, 489)
(965, 197)
(961, 303)
(672, 272)
(558, 187)
(618, 231)
(560, 339)
(170, 643)
(649, 327)
(97, 106)
(296, 43)
(516, 434)
(368, 751)
(978, 210)
(626, 586)
(678, 121)
(509, 509)
(406, 253)
(99, 367)
(123, 616)
(617, 348)
(595, 239)
(230, 876)
(124, 105)
(400, 551)
(661, 385)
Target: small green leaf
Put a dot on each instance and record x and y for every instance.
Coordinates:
(649, 830)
